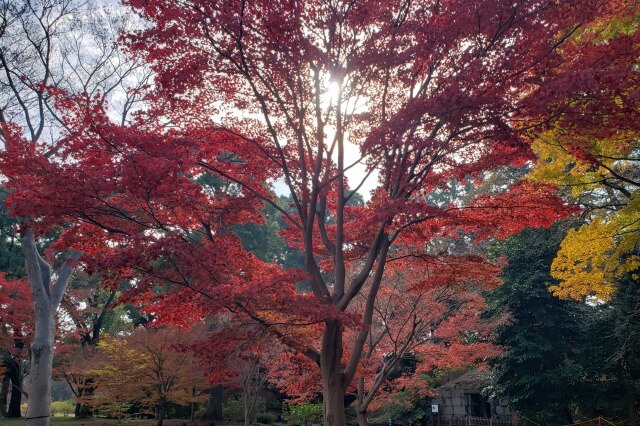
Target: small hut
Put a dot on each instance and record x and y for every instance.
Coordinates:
(467, 396)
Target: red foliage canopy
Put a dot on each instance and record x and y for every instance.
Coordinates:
(16, 317)
(250, 91)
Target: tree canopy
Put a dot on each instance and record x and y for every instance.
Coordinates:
(424, 95)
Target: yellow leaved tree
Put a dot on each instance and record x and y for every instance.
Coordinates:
(148, 368)
(171, 372)
(593, 153)
(119, 372)
(605, 248)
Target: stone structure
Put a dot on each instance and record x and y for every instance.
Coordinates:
(465, 397)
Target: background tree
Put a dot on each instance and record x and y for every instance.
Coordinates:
(12, 266)
(47, 47)
(91, 312)
(11, 256)
(539, 372)
(16, 333)
(611, 384)
(119, 376)
(599, 171)
(171, 374)
(163, 371)
(425, 100)
(430, 311)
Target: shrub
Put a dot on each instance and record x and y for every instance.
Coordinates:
(406, 407)
(302, 414)
(233, 409)
(266, 418)
(62, 407)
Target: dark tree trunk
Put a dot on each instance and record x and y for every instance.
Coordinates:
(4, 395)
(568, 415)
(13, 371)
(82, 410)
(361, 408)
(214, 404)
(362, 418)
(333, 389)
(333, 404)
(160, 411)
(631, 403)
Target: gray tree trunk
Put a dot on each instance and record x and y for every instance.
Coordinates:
(46, 299)
(247, 408)
(38, 408)
(362, 418)
(82, 410)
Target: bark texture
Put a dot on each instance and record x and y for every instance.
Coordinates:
(333, 388)
(13, 372)
(361, 406)
(46, 299)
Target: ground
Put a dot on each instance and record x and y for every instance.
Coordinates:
(70, 421)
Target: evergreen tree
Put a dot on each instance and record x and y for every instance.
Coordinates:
(537, 373)
(11, 257)
(612, 359)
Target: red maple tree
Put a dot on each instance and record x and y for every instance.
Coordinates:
(431, 93)
(430, 310)
(16, 333)
(428, 92)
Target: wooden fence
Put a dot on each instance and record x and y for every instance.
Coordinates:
(471, 421)
(519, 421)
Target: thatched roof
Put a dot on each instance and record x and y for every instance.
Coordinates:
(475, 379)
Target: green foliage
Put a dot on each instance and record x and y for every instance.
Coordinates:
(266, 418)
(612, 359)
(115, 318)
(233, 409)
(201, 411)
(119, 411)
(302, 414)
(407, 406)
(538, 373)
(264, 240)
(63, 408)
(11, 258)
